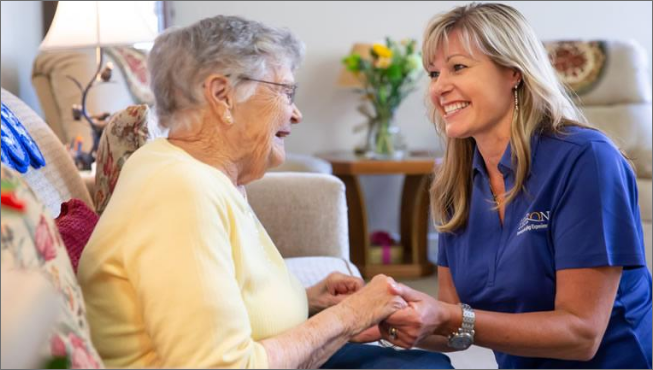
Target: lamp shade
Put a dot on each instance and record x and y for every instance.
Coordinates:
(349, 79)
(80, 24)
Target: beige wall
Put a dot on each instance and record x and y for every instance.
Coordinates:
(22, 32)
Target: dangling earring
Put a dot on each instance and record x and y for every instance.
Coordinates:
(516, 98)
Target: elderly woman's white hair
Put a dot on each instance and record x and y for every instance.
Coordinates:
(183, 57)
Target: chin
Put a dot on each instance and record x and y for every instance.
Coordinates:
(454, 132)
(277, 157)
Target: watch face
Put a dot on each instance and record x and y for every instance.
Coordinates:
(461, 341)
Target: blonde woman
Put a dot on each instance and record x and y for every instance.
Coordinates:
(541, 253)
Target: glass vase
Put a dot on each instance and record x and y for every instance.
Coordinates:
(384, 140)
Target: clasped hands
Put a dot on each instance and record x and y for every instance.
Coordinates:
(382, 306)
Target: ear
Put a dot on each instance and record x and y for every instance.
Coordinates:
(218, 93)
(516, 77)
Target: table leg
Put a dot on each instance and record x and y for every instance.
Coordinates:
(358, 236)
(414, 223)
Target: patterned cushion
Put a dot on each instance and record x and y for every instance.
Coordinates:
(579, 64)
(30, 241)
(126, 132)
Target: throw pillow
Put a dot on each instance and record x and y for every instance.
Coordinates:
(126, 131)
(30, 241)
(76, 223)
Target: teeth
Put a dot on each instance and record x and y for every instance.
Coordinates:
(455, 106)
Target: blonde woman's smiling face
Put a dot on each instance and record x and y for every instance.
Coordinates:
(471, 93)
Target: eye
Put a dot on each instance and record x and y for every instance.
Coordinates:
(434, 74)
(458, 67)
(290, 93)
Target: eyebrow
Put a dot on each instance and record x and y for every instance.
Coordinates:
(456, 55)
(452, 56)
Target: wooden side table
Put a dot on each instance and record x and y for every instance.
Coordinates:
(417, 169)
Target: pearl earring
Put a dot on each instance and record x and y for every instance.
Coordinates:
(228, 119)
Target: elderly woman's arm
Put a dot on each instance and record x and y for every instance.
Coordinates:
(309, 345)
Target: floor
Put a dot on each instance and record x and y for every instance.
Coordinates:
(473, 358)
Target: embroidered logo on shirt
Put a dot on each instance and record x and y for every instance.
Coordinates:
(534, 221)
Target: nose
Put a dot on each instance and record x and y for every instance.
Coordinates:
(296, 115)
(440, 86)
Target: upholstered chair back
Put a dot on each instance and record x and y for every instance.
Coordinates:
(57, 93)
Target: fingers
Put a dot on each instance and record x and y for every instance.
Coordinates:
(338, 283)
(399, 339)
(370, 335)
(410, 295)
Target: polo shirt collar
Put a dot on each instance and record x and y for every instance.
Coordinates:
(505, 164)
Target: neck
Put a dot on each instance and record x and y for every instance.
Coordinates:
(492, 146)
(204, 143)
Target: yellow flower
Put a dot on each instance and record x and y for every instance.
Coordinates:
(383, 62)
(382, 51)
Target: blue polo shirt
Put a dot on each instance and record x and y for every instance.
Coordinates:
(579, 210)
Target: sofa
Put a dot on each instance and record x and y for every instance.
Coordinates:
(304, 213)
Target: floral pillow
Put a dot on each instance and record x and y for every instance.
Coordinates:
(126, 132)
(30, 240)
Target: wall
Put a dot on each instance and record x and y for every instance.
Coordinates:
(22, 32)
(330, 28)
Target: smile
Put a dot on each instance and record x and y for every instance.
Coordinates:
(451, 109)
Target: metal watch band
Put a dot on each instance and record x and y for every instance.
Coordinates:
(468, 318)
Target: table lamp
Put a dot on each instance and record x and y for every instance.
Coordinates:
(84, 24)
(349, 79)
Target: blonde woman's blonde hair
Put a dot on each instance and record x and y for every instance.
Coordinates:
(503, 34)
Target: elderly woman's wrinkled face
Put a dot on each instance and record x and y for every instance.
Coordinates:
(265, 120)
(470, 92)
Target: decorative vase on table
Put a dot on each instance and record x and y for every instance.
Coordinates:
(384, 139)
(386, 74)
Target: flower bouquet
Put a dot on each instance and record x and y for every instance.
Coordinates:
(388, 75)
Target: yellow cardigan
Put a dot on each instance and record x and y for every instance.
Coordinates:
(179, 272)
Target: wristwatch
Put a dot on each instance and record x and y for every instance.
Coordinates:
(464, 337)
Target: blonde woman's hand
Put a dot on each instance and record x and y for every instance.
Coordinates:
(331, 291)
(380, 298)
(424, 316)
(368, 335)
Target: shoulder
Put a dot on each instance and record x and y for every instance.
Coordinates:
(576, 136)
(163, 167)
(574, 141)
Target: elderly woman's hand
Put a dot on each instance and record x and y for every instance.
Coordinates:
(424, 316)
(332, 291)
(376, 301)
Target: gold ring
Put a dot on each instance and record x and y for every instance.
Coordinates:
(393, 333)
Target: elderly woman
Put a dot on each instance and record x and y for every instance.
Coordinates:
(179, 272)
(541, 255)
